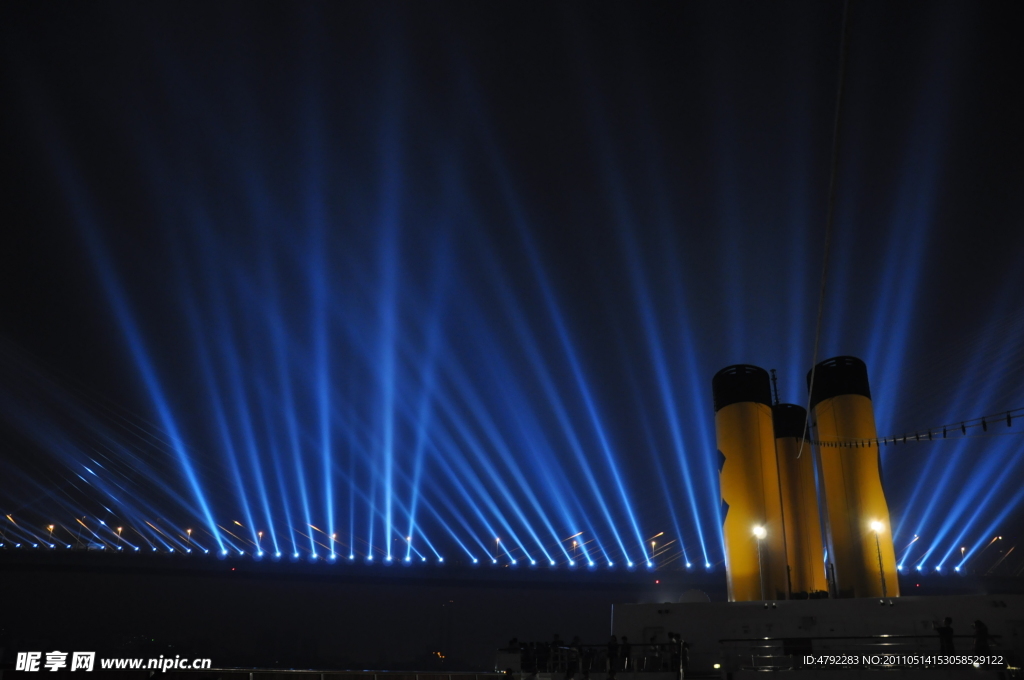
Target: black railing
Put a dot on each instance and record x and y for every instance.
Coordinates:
(579, 660)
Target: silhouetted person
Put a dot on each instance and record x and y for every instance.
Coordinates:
(543, 656)
(674, 646)
(625, 651)
(945, 632)
(557, 654)
(613, 656)
(573, 665)
(530, 658)
(587, 662)
(980, 637)
(652, 660)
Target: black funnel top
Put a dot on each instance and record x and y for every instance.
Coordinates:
(836, 376)
(789, 420)
(742, 382)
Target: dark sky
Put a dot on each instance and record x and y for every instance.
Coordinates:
(640, 189)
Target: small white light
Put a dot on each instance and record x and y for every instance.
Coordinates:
(591, 564)
(408, 559)
(610, 564)
(650, 564)
(956, 568)
(919, 567)
(533, 562)
(259, 554)
(440, 559)
(513, 561)
(277, 554)
(707, 565)
(474, 560)
(688, 565)
(552, 563)
(629, 564)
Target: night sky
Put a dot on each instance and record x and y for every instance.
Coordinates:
(464, 271)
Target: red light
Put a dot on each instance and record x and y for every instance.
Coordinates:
(656, 581)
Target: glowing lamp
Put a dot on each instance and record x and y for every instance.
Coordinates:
(877, 526)
(760, 532)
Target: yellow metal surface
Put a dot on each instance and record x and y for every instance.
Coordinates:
(750, 486)
(854, 499)
(804, 549)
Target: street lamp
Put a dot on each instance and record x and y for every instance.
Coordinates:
(760, 532)
(877, 527)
